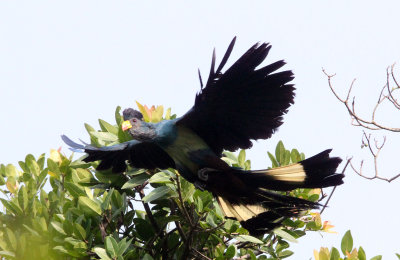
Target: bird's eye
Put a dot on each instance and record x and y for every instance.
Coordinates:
(134, 120)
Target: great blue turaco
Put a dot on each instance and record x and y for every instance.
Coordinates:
(243, 103)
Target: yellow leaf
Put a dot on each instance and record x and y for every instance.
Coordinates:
(324, 253)
(315, 191)
(52, 174)
(316, 254)
(168, 114)
(149, 111)
(12, 185)
(353, 255)
(317, 218)
(143, 111)
(55, 156)
(157, 114)
(326, 227)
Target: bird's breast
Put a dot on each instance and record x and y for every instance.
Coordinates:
(186, 143)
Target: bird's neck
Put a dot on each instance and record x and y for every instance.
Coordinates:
(145, 132)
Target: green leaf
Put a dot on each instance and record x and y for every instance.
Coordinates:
(156, 194)
(61, 249)
(361, 254)
(68, 226)
(285, 235)
(147, 257)
(33, 232)
(273, 160)
(160, 177)
(104, 136)
(335, 254)
(295, 156)
(101, 252)
(74, 190)
(107, 127)
(280, 152)
(347, 243)
(107, 199)
(378, 257)
(11, 171)
(79, 231)
(32, 164)
(53, 168)
(242, 158)
(136, 181)
(231, 250)
(23, 198)
(143, 228)
(210, 220)
(247, 238)
(286, 159)
(231, 156)
(123, 246)
(118, 117)
(285, 253)
(7, 253)
(228, 161)
(11, 206)
(58, 227)
(90, 206)
(11, 238)
(111, 246)
(398, 256)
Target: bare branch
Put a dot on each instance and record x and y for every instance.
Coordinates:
(360, 121)
(386, 94)
(374, 149)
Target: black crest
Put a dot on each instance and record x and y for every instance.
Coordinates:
(130, 113)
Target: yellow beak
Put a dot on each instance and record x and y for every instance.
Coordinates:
(126, 125)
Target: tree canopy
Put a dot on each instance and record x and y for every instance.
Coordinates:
(58, 207)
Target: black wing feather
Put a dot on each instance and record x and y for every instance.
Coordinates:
(139, 155)
(242, 104)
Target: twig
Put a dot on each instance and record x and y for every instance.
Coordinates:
(334, 188)
(159, 231)
(386, 93)
(177, 223)
(178, 185)
(201, 255)
(368, 124)
(146, 206)
(375, 153)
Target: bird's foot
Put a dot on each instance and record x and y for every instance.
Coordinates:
(200, 185)
(204, 172)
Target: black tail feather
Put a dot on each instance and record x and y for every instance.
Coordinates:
(248, 196)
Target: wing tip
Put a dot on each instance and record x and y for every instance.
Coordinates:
(72, 145)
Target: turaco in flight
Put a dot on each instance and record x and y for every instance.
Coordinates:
(241, 104)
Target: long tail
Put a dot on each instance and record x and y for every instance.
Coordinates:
(318, 171)
(248, 198)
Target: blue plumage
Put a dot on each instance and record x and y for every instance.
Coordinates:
(242, 104)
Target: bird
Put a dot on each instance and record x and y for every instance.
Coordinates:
(235, 107)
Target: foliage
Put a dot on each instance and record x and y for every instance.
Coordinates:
(61, 208)
(349, 252)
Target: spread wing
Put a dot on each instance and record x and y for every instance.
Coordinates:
(243, 103)
(139, 155)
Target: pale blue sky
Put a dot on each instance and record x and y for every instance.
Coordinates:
(66, 63)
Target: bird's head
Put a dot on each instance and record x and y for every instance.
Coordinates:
(133, 119)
